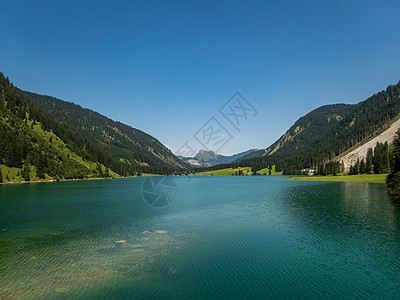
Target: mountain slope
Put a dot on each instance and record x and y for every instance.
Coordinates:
(360, 152)
(306, 129)
(209, 158)
(121, 141)
(84, 144)
(327, 132)
(33, 145)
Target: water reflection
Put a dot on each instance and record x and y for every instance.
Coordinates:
(328, 205)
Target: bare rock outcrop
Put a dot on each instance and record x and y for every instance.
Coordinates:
(361, 152)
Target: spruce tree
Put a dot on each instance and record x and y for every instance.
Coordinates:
(351, 171)
(40, 167)
(393, 179)
(25, 172)
(363, 168)
(368, 164)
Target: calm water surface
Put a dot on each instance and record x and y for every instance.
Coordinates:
(221, 238)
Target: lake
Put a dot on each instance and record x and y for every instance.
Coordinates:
(219, 238)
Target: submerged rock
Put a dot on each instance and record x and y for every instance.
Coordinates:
(60, 290)
(120, 242)
(155, 231)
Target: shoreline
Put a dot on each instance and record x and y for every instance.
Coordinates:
(370, 178)
(65, 180)
(61, 180)
(367, 178)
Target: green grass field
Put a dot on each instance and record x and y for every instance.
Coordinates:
(232, 171)
(149, 175)
(373, 178)
(224, 172)
(266, 171)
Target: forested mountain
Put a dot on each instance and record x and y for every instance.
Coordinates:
(327, 132)
(35, 145)
(307, 128)
(206, 158)
(44, 137)
(121, 141)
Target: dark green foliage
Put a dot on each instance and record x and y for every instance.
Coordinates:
(117, 140)
(377, 161)
(355, 170)
(99, 170)
(26, 172)
(393, 179)
(363, 167)
(326, 133)
(381, 158)
(20, 143)
(330, 168)
(1, 177)
(369, 166)
(40, 165)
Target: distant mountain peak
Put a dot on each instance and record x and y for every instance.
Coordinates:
(206, 155)
(208, 158)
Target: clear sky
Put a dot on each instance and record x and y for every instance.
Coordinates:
(167, 67)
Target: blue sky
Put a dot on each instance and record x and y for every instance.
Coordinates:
(166, 67)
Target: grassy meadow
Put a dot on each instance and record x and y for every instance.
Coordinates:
(371, 178)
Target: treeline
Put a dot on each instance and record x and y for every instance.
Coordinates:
(238, 173)
(376, 162)
(18, 144)
(140, 150)
(30, 136)
(330, 168)
(327, 132)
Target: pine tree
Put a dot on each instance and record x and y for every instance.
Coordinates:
(363, 167)
(381, 158)
(25, 172)
(351, 172)
(368, 164)
(385, 158)
(40, 167)
(393, 179)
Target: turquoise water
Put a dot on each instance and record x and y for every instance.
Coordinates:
(220, 238)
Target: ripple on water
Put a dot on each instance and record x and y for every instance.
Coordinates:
(253, 237)
(65, 268)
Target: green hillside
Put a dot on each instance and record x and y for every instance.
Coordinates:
(304, 130)
(121, 141)
(325, 133)
(36, 146)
